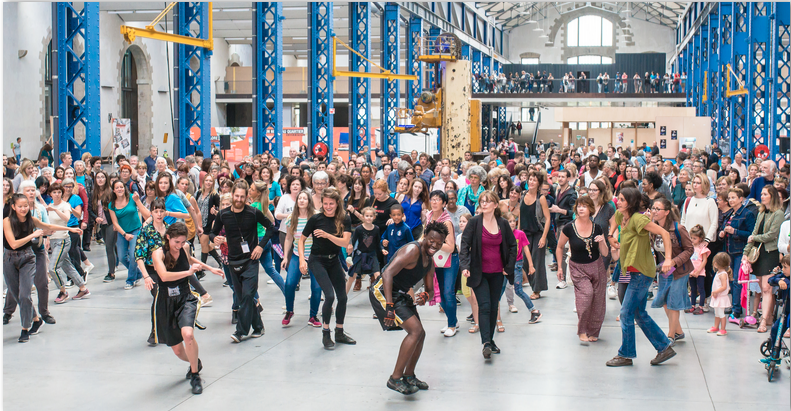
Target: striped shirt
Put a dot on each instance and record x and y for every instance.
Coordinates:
(298, 233)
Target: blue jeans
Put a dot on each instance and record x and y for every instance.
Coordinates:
(126, 253)
(633, 309)
(446, 277)
(235, 303)
(736, 288)
(267, 262)
(292, 279)
(520, 292)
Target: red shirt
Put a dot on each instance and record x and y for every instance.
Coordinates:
(491, 262)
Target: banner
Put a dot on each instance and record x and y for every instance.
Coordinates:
(122, 136)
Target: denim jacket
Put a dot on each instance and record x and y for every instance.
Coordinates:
(743, 223)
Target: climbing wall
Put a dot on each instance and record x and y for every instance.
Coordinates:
(456, 110)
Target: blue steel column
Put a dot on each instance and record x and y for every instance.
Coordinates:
(466, 52)
(697, 75)
(359, 87)
(486, 65)
(319, 75)
(413, 65)
(739, 37)
(69, 66)
(486, 126)
(757, 73)
(725, 52)
(780, 72)
(192, 85)
(390, 90)
(268, 78)
(433, 32)
(477, 70)
(713, 79)
(502, 126)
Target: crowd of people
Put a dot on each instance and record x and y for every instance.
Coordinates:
(617, 223)
(543, 82)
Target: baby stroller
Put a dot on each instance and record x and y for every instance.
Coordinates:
(775, 350)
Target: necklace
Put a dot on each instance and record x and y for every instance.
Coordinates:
(587, 240)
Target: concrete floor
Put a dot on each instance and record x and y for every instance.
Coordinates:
(96, 358)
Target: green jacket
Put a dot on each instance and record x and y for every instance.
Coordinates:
(771, 230)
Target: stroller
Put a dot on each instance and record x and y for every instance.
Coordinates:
(776, 351)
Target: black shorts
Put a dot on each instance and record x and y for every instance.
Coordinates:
(402, 303)
(172, 313)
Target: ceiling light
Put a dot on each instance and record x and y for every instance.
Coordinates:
(148, 11)
(295, 7)
(232, 10)
(531, 21)
(299, 38)
(538, 29)
(121, 12)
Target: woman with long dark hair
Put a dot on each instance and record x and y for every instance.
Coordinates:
(19, 260)
(446, 260)
(330, 230)
(207, 200)
(100, 199)
(356, 200)
(414, 202)
(294, 224)
(125, 215)
(636, 259)
(504, 187)
(176, 307)
(534, 222)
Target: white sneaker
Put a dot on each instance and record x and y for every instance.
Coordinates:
(88, 268)
(612, 292)
(513, 309)
(443, 330)
(270, 281)
(128, 286)
(561, 285)
(450, 332)
(206, 300)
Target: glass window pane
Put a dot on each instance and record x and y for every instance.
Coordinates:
(525, 114)
(590, 31)
(572, 60)
(530, 60)
(583, 126)
(572, 32)
(594, 125)
(606, 60)
(606, 32)
(589, 60)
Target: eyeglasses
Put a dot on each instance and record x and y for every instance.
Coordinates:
(658, 209)
(410, 173)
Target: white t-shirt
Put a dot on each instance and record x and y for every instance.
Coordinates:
(55, 219)
(284, 206)
(589, 179)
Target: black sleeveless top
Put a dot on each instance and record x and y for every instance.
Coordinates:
(408, 277)
(528, 221)
(27, 229)
(182, 264)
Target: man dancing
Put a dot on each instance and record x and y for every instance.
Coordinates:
(395, 309)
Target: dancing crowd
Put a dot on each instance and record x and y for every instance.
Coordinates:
(622, 223)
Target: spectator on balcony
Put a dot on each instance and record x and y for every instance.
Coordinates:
(625, 82)
(599, 81)
(617, 88)
(606, 81)
(638, 83)
(583, 83)
(550, 83)
(647, 82)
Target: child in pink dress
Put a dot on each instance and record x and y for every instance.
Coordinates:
(719, 291)
(697, 278)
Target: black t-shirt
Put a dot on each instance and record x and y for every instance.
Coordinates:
(323, 246)
(242, 226)
(581, 253)
(366, 241)
(182, 264)
(383, 212)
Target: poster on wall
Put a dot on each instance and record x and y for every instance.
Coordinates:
(674, 134)
(240, 142)
(662, 130)
(663, 143)
(619, 137)
(590, 142)
(122, 136)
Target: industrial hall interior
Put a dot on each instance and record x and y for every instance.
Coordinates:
(551, 205)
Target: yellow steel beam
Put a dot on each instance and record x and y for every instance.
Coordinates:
(130, 33)
(385, 74)
(731, 93)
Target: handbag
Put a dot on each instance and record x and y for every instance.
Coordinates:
(752, 256)
(442, 259)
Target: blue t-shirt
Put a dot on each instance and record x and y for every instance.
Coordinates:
(274, 191)
(412, 212)
(74, 201)
(174, 204)
(81, 179)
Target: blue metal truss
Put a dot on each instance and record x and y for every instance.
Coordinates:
(477, 70)
(319, 74)
(502, 125)
(391, 24)
(486, 126)
(433, 32)
(725, 54)
(756, 81)
(466, 52)
(740, 34)
(268, 78)
(780, 74)
(359, 87)
(71, 66)
(486, 65)
(413, 65)
(712, 103)
(192, 73)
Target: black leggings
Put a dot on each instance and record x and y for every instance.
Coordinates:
(488, 295)
(622, 291)
(75, 253)
(332, 280)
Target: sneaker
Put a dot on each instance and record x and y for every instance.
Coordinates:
(458, 301)
(413, 381)
(443, 329)
(83, 294)
(109, 278)
(487, 351)
(198, 325)
(24, 337)
(713, 330)
(451, 331)
(619, 362)
(722, 333)
(237, 337)
(470, 318)
(401, 386)
(189, 369)
(129, 286)
(62, 297)
(314, 322)
(698, 311)
(690, 310)
(99, 241)
(206, 300)
(196, 383)
(88, 268)
(326, 340)
(225, 283)
(287, 318)
(535, 316)
(69, 284)
(36, 327)
(679, 336)
(6, 318)
(553, 267)
(343, 338)
(200, 274)
(612, 293)
(270, 281)
(513, 309)
(650, 295)
(561, 285)
(138, 282)
(706, 307)
(663, 356)
(234, 316)
(258, 333)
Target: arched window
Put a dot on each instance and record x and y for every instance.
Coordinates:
(589, 31)
(589, 60)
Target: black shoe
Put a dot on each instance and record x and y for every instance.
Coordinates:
(237, 337)
(458, 301)
(413, 381)
(326, 339)
(48, 319)
(200, 275)
(401, 386)
(234, 316)
(198, 325)
(109, 278)
(152, 341)
(225, 283)
(297, 286)
(535, 316)
(487, 351)
(36, 327)
(470, 318)
(679, 336)
(663, 356)
(728, 311)
(495, 348)
(189, 369)
(343, 338)
(257, 333)
(86, 249)
(24, 337)
(260, 308)
(6, 318)
(197, 385)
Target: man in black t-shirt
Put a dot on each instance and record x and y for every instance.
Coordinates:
(241, 233)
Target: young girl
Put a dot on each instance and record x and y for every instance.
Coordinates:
(362, 247)
(697, 277)
(148, 240)
(465, 290)
(720, 287)
(523, 252)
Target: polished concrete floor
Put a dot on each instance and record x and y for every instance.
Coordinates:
(96, 358)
